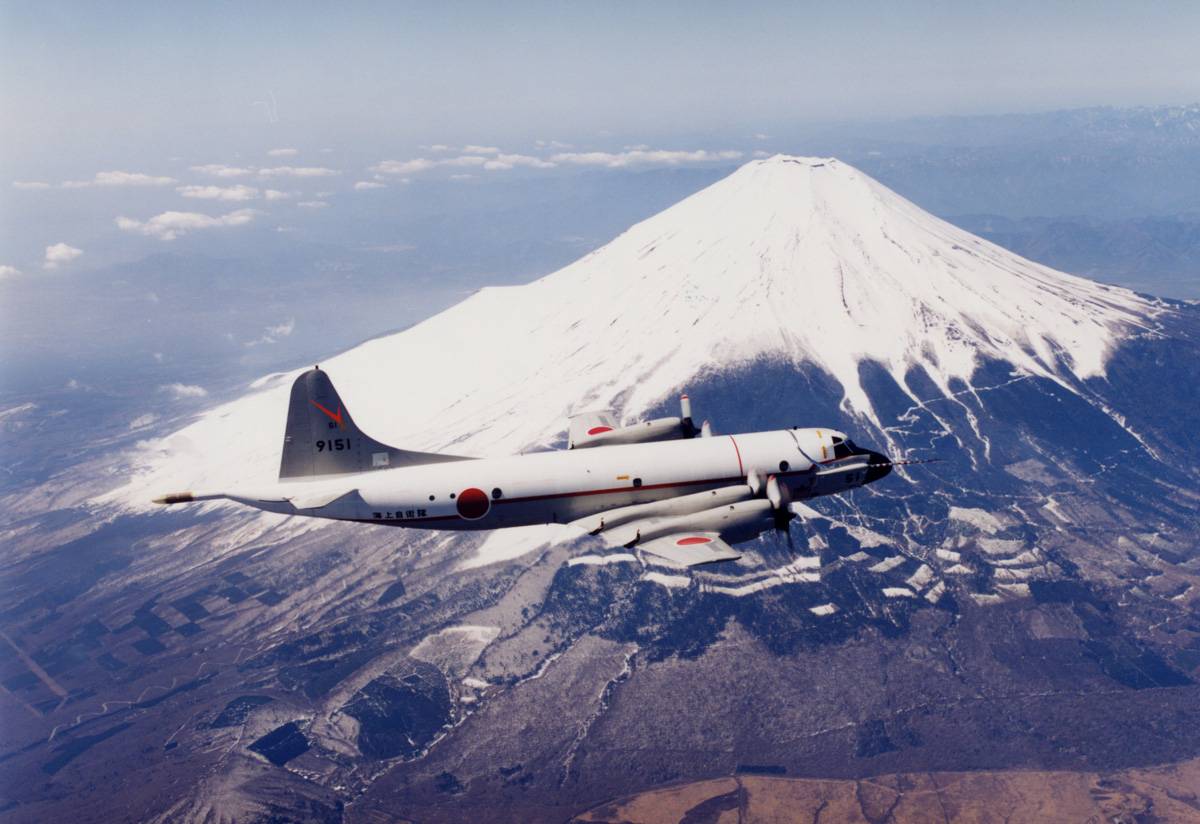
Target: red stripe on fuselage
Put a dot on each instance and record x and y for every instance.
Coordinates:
(741, 471)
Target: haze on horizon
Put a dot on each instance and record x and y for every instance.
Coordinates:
(89, 83)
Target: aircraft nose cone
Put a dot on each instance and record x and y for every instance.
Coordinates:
(878, 466)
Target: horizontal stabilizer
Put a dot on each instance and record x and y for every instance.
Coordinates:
(316, 500)
(689, 549)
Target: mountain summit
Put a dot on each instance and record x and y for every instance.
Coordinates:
(790, 259)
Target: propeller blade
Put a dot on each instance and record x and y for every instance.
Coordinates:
(685, 417)
(754, 481)
(778, 493)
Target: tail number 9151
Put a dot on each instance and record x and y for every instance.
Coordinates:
(333, 445)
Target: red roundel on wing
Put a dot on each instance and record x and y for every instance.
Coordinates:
(695, 539)
(596, 430)
(473, 503)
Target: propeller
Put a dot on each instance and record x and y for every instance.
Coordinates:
(688, 426)
(781, 502)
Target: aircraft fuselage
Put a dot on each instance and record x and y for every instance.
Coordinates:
(564, 486)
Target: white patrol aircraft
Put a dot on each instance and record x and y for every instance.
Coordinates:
(671, 490)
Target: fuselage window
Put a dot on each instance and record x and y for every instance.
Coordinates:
(637, 482)
(496, 493)
(784, 466)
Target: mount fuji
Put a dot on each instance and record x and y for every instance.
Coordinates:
(1030, 601)
(791, 260)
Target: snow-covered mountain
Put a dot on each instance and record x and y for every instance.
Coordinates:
(793, 260)
(1030, 601)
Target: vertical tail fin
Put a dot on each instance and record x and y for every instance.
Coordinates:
(321, 438)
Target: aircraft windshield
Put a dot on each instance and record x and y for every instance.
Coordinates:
(843, 447)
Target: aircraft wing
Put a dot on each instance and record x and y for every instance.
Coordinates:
(583, 427)
(688, 549)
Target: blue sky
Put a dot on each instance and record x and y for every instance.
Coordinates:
(172, 76)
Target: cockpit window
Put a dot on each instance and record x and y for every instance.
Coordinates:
(842, 447)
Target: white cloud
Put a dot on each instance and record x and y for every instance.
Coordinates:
(143, 420)
(297, 171)
(490, 159)
(272, 334)
(238, 192)
(184, 390)
(275, 194)
(365, 185)
(312, 204)
(461, 177)
(282, 330)
(170, 225)
(117, 178)
(421, 164)
(30, 184)
(552, 144)
(403, 167)
(283, 152)
(643, 157)
(221, 170)
(439, 147)
(7, 271)
(60, 253)
(508, 161)
(131, 179)
(761, 136)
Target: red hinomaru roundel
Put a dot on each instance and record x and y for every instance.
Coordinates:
(596, 430)
(695, 539)
(473, 503)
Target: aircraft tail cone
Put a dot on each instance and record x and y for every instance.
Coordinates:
(176, 498)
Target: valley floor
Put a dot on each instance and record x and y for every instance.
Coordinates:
(1168, 793)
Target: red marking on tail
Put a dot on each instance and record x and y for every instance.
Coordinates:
(335, 418)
